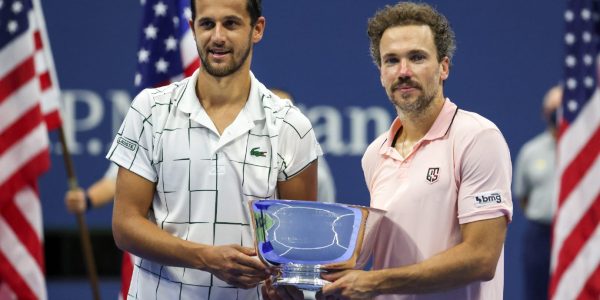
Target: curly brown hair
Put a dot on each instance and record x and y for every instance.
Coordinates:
(408, 13)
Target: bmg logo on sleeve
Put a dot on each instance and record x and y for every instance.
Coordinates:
(487, 198)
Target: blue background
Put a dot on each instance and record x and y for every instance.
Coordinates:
(508, 54)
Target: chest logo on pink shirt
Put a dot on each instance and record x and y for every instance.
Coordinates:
(432, 175)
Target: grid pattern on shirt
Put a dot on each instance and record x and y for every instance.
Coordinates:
(200, 184)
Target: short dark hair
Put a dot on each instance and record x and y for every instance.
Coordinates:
(408, 13)
(254, 8)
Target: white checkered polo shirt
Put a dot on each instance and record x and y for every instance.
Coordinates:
(204, 180)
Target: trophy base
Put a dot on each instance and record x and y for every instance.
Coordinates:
(304, 277)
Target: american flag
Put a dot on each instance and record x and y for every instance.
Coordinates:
(167, 49)
(167, 53)
(28, 107)
(575, 266)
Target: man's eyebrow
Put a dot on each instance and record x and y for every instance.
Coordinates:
(233, 17)
(203, 19)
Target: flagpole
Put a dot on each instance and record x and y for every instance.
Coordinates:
(86, 243)
(84, 233)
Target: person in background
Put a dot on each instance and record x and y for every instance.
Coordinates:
(442, 174)
(100, 193)
(192, 155)
(326, 189)
(534, 184)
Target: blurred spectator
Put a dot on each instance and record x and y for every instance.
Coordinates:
(535, 186)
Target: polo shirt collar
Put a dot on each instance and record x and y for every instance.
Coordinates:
(440, 126)
(254, 106)
(443, 122)
(190, 103)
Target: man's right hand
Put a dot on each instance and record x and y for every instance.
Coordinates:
(75, 201)
(235, 265)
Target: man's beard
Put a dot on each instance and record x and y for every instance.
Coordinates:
(228, 69)
(415, 107)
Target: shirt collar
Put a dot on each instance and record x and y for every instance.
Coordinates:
(443, 121)
(190, 103)
(440, 126)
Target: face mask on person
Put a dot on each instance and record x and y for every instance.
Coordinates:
(553, 118)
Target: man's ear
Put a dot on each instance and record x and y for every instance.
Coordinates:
(445, 65)
(258, 30)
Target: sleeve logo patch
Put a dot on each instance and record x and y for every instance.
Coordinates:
(488, 198)
(127, 143)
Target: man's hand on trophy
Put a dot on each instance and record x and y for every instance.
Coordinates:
(348, 284)
(235, 265)
(284, 292)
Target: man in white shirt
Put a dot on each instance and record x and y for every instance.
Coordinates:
(191, 156)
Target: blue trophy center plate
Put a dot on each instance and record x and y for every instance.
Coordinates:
(304, 232)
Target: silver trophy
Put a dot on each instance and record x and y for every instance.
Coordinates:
(302, 239)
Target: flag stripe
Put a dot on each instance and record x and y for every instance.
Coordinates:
(27, 236)
(19, 129)
(583, 266)
(45, 81)
(577, 239)
(5, 291)
(591, 289)
(25, 159)
(45, 70)
(575, 208)
(126, 274)
(571, 141)
(21, 101)
(12, 56)
(23, 176)
(14, 280)
(576, 226)
(26, 270)
(23, 151)
(28, 96)
(37, 37)
(580, 165)
(27, 200)
(18, 77)
(52, 120)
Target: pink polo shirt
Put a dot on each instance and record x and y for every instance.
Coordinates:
(459, 172)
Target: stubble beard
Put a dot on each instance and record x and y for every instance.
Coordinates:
(229, 68)
(414, 108)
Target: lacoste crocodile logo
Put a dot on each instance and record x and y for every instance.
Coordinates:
(256, 152)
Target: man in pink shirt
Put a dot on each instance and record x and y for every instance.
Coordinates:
(443, 175)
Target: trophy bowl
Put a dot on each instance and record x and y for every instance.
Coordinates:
(302, 239)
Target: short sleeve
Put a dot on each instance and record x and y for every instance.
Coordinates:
(298, 146)
(132, 147)
(485, 177)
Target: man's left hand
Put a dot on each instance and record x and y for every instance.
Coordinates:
(349, 284)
